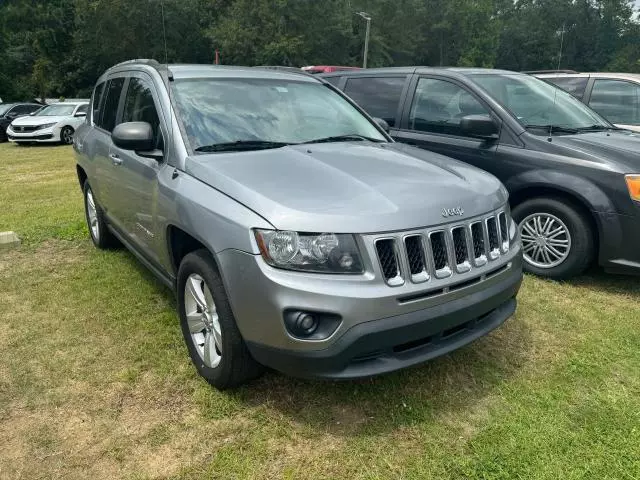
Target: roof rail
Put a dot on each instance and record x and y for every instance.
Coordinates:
(295, 70)
(535, 72)
(144, 61)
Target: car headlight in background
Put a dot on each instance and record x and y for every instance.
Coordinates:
(47, 125)
(310, 252)
(633, 184)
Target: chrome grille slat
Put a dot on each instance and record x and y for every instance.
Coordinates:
(460, 249)
(417, 259)
(439, 250)
(456, 249)
(492, 238)
(389, 261)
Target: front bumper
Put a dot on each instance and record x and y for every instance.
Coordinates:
(380, 332)
(44, 135)
(619, 244)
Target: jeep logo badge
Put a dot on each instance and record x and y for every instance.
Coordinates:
(450, 212)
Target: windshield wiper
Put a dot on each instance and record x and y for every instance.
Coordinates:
(597, 128)
(554, 128)
(345, 138)
(241, 145)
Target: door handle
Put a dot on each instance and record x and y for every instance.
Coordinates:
(115, 159)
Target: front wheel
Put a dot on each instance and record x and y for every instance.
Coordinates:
(66, 135)
(557, 237)
(100, 234)
(209, 328)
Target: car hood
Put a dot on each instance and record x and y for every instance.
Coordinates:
(621, 147)
(38, 120)
(356, 187)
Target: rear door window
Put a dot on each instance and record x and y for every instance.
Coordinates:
(335, 81)
(616, 100)
(95, 103)
(574, 85)
(110, 104)
(379, 96)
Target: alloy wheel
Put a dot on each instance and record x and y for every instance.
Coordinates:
(92, 214)
(67, 136)
(203, 320)
(546, 240)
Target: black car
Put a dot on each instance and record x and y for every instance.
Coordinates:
(573, 177)
(10, 111)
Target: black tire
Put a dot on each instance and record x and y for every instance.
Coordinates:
(66, 135)
(104, 238)
(236, 366)
(583, 244)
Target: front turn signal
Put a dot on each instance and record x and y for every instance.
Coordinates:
(633, 184)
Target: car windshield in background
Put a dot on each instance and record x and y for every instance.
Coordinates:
(247, 114)
(538, 105)
(56, 110)
(4, 108)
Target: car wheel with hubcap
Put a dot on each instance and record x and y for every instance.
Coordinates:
(209, 328)
(100, 234)
(557, 238)
(66, 135)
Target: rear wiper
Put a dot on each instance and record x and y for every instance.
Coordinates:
(241, 145)
(554, 128)
(345, 138)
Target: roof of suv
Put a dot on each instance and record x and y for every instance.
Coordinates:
(209, 71)
(408, 70)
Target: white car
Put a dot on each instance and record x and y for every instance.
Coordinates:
(53, 123)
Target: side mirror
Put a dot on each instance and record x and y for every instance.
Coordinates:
(382, 123)
(136, 136)
(479, 126)
(80, 114)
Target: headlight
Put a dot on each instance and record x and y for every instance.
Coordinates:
(633, 184)
(311, 252)
(47, 125)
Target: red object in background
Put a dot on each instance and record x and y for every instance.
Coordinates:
(217, 59)
(327, 68)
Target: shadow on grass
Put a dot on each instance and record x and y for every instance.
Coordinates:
(597, 278)
(450, 384)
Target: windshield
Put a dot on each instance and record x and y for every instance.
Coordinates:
(56, 110)
(536, 103)
(4, 108)
(224, 111)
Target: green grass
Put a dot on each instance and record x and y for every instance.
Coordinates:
(95, 381)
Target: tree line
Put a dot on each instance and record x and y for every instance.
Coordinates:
(59, 47)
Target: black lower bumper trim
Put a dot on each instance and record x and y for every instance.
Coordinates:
(389, 344)
(31, 138)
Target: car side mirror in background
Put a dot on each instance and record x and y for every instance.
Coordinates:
(479, 126)
(382, 123)
(80, 114)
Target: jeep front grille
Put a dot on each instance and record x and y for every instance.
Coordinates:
(442, 252)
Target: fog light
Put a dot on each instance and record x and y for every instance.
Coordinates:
(306, 324)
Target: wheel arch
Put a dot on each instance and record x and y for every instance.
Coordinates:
(82, 175)
(180, 243)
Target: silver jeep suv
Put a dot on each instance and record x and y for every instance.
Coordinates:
(296, 234)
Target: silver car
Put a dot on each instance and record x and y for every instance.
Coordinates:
(296, 234)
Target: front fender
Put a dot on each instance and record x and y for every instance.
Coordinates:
(587, 192)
